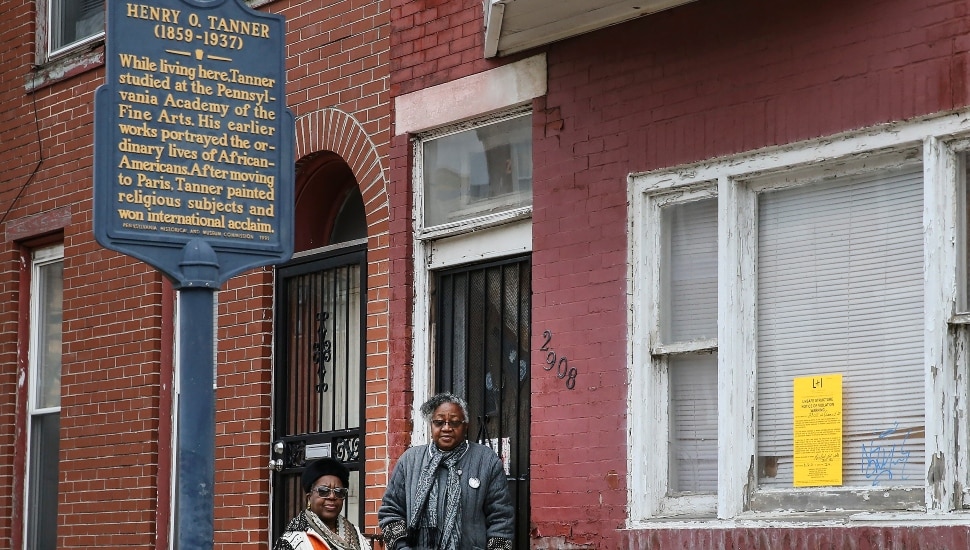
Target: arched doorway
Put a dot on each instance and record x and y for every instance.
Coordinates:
(319, 376)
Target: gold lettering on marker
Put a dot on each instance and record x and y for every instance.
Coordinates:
(249, 28)
(152, 13)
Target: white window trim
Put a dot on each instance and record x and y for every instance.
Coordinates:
(936, 142)
(438, 110)
(51, 66)
(650, 486)
(46, 53)
(472, 223)
(39, 258)
(472, 240)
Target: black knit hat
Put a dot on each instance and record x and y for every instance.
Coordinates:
(325, 466)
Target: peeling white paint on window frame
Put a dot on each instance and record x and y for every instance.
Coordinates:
(938, 144)
(53, 66)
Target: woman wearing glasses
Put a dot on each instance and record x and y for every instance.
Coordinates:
(450, 494)
(320, 526)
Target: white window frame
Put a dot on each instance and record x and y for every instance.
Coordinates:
(475, 222)
(477, 239)
(954, 156)
(40, 258)
(51, 66)
(938, 144)
(650, 487)
(446, 108)
(45, 10)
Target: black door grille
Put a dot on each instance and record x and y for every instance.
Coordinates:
(318, 405)
(482, 319)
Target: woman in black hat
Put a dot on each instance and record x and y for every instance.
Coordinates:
(320, 526)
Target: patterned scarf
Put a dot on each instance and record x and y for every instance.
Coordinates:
(424, 517)
(344, 539)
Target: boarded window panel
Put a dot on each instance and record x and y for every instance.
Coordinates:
(840, 290)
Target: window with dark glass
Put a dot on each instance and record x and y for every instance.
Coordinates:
(478, 171)
(72, 23)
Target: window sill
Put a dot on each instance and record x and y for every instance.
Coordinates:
(474, 224)
(803, 519)
(64, 68)
(960, 319)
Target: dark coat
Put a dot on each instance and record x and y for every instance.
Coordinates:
(486, 505)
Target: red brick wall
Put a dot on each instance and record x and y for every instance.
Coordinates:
(435, 41)
(112, 326)
(117, 311)
(243, 411)
(111, 330)
(710, 78)
(400, 392)
(707, 79)
(14, 140)
(713, 77)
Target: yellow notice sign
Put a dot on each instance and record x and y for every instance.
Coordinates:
(818, 431)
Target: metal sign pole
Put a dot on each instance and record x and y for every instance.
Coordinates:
(195, 453)
(195, 460)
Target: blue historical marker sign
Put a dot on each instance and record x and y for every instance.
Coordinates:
(193, 142)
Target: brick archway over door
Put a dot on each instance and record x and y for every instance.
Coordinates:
(339, 132)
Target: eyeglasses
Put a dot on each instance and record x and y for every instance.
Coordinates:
(455, 424)
(324, 492)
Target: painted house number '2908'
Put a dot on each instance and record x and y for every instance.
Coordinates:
(561, 364)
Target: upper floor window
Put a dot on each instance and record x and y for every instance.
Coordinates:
(477, 171)
(72, 23)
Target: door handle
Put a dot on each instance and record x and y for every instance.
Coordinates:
(276, 460)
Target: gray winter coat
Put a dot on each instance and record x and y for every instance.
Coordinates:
(486, 505)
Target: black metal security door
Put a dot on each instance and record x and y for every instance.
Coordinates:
(482, 319)
(318, 406)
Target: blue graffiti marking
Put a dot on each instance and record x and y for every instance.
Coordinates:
(879, 459)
